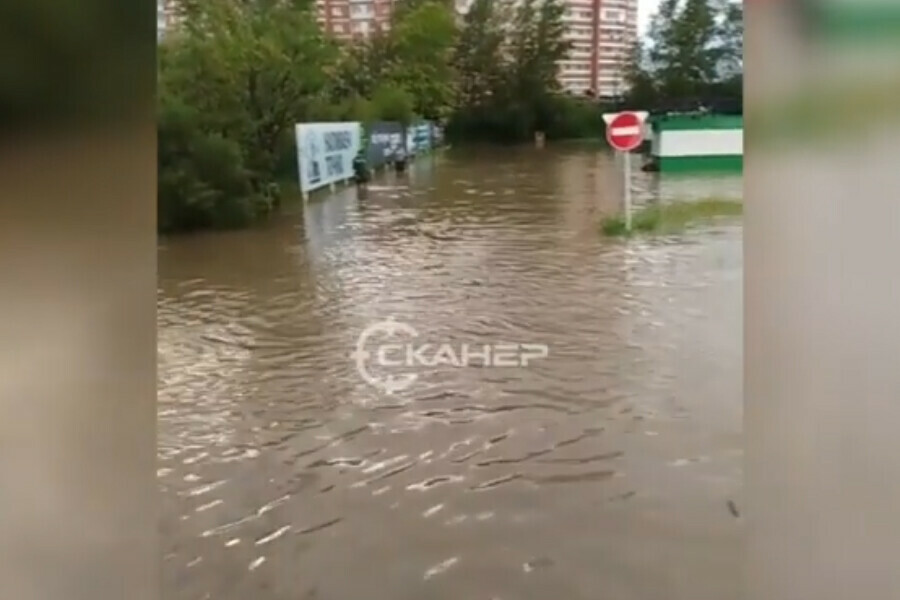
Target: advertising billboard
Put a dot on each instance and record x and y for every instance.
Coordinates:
(385, 138)
(325, 152)
(418, 138)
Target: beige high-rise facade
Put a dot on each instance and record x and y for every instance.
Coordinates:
(354, 19)
(602, 33)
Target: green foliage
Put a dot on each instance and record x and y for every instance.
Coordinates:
(683, 53)
(574, 117)
(393, 103)
(478, 55)
(537, 45)
(202, 182)
(506, 60)
(400, 73)
(643, 89)
(359, 68)
(671, 218)
(402, 8)
(731, 39)
(693, 51)
(252, 70)
(242, 73)
(421, 43)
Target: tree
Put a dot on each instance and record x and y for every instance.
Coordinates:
(537, 46)
(693, 50)
(202, 181)
(731, 39)
(251, 70)
(392, 103)
(402, 8)
(690, 51)
(420, 46)
(355, 71)
(552, 45)
(506, 62)
(661, 37)
(232, 83)
(478, 59)
(640, 84)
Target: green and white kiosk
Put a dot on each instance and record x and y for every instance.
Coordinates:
(696, 143)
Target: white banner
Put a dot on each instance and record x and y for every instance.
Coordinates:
(325, 152)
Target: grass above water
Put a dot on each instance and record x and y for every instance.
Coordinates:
(671, 218)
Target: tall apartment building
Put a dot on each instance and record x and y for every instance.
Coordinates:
(602, 33)
(350, 19)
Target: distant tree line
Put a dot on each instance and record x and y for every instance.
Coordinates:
(237, 75)
(506, 62)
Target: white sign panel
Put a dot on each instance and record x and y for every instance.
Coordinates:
(702, 142)
(325, 152)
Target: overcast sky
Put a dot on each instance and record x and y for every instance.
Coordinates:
(646, 8)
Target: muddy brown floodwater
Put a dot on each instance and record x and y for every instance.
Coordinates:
(609, 470)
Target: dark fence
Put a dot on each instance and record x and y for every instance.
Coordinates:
(384, 139)
(419, 138)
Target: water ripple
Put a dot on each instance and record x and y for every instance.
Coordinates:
(269, 438)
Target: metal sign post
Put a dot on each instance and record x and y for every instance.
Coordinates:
(627, 161)
(625, 132)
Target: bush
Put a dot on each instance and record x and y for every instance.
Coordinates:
(202, 182)
(286, 158)
(558, 116)
(572, 118)
(352, 108)
(392, 103)
(508, 124)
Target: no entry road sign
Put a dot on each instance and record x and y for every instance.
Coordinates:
(625, 130)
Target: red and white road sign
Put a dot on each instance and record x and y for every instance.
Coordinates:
(625, 130)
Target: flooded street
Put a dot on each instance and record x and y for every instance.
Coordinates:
(609, 470)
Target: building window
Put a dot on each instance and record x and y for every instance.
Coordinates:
(339, 28)
(335, 11)
(361, 10)
(609, 14)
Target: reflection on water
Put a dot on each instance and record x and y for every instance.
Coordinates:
(604, 470)
(685, 187)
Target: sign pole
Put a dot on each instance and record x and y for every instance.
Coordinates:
(625, 132)
(627, 162)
